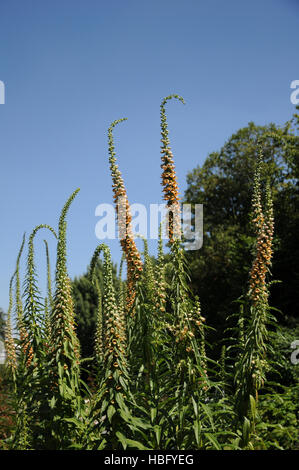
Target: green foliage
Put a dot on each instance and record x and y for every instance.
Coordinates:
(285, 372)
(142, 342)
(278, 424)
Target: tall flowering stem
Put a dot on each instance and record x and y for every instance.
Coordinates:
(160, 282)
(121, 291)
(64, 348)
(11, 357)
(32, 317)
(31, 356)
(124, 217)
(113, 383)
(48, 300)
(49, 281)
(252, 365)
(169, 179)
(263, 223)
(113, 327)
(98, 343)
(19, 304)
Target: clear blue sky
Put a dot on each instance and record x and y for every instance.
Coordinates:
(72, 66)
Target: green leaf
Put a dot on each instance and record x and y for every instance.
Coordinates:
(158, 431)
(122, 439)
(213, 440)
(130, 442)
(110, 412)
(52, 402)
(153, 414)
(246, 430)
(252, 407)
(196, 428)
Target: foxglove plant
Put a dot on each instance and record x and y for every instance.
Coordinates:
(64, 349)
(252, 366)
(111, 419)
(134, 264)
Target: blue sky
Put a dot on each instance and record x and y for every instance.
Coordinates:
(71, 67)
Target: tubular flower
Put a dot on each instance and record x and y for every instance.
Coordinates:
(169, 179)
(124, 218)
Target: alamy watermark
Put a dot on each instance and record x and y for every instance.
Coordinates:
(187, 222)
(295, 94)
(2, 92)
(295, 354)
